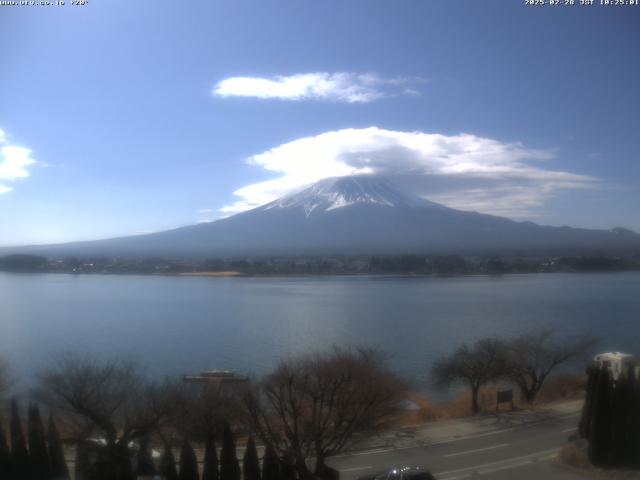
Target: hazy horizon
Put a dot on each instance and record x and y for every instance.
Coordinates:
(222, 218)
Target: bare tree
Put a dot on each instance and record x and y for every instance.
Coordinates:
(314, 405)
(108, 402)
(199, 410)
(475, 365)
(533, 356)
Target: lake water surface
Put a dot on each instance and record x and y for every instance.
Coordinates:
(178, 325)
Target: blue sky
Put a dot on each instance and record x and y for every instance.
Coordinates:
(123, 117)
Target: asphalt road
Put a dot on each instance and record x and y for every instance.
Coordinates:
(523, 452)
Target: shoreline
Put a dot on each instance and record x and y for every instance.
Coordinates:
(236, 274)
(203, 274)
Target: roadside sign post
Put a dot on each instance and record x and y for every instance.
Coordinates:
(504, 396)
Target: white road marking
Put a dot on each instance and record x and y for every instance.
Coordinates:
(498, 469)
(500, 462)
(368, 452)
(569, 429)
(452, 440)
(505, 467)
(477, 450)
(446, 442)
(478, 435)
(355, 469)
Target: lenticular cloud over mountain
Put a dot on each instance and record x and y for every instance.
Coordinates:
(461, 171)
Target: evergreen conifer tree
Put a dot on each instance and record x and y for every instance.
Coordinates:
(229, 466)
(168, 469)
(188, 462)
(619, 419)
(6, 461)
(144, 461)
(59, 469)
(210, 470)
(634, 422)
(250, 463)
(586, 420)
(611, 417)
(120, 464)
(288, 470)
(40, 467)
(624, 446)
(601, 432)
(270, 465)
(19, 452)
(83, 467)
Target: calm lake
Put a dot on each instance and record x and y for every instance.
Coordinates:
(176, 325)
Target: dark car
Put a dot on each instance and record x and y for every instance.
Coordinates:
(400, 473)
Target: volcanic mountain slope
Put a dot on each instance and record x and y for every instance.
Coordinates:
(353, 215)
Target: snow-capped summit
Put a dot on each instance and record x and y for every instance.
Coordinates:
(353, 215)
(339, 192)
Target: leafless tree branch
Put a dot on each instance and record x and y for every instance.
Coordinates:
(315, 405)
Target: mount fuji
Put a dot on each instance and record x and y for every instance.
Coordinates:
(352, 215)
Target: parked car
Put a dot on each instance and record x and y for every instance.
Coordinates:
(400, 473)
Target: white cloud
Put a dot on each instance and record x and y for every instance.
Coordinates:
(338, 87)
(462, 171)
(14, 162)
